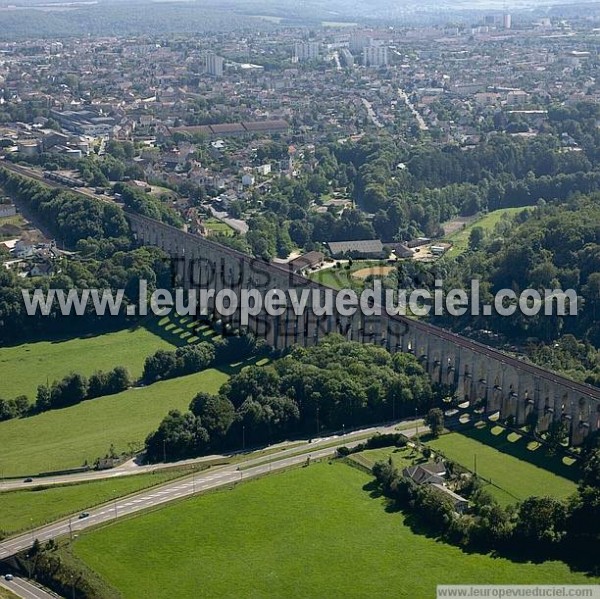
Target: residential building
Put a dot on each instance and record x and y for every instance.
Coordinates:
(306, 261)
(375, 56)
(7, 210)
(214, 65)
(347, 57)
(306, 51)
(434, 475)
(517, 98)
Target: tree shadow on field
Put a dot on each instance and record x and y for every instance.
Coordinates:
(375, 492)
(373, 489)
(580, 557)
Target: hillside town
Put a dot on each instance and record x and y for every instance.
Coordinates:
(212, 125)
(299, 299)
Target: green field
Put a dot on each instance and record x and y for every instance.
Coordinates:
(21, 510)
(26, 366)
(310, 532)
(402, 457)
(66, 438)
(460, 239)
(341, 278)
(16, 220)
(513, 479)
(218, 226)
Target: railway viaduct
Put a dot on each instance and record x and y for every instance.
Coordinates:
(479, 373)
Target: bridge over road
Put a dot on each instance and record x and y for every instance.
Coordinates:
(480, 374)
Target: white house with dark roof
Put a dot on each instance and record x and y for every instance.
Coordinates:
(434, 474)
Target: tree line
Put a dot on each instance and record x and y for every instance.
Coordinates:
(333, 385)
(184, 360)
(68, 391)
(539, 528)
(75, 387)
(106, 259)
(139, 202)
(71, 218)
(546, 247)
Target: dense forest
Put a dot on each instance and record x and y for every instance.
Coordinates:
(333, 385)
(122, 19)
(106, 260)
(549, 247)
(72, 219)
(400, 192)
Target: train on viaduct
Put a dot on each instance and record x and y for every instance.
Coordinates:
(516, 389)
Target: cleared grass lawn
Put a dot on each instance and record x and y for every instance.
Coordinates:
(460, 239)
(218, 226)
(66, 438)
(6, 594)
(24, 367)
(342, 278)
(516, 478)
(310, 532)
(21, 510)
(401, 456)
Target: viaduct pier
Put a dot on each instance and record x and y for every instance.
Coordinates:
(479, 373)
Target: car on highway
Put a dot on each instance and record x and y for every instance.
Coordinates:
(28, 480)
(8, 577)
(84, 515)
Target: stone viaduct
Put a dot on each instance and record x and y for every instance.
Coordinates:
(479, 373)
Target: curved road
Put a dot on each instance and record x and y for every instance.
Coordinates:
(127, 469)
(212, 478)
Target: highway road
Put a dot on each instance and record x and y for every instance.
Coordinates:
(212, 478)
(127, 469)
(132, 467)
(26, 589)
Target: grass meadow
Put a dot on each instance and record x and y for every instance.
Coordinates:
(513, 479)
(24, 367)
(320, 531)
(61, 439)
(217, 226)
(342, 278)
(460, 239)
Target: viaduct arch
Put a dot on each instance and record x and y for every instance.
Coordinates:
(480, 373)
